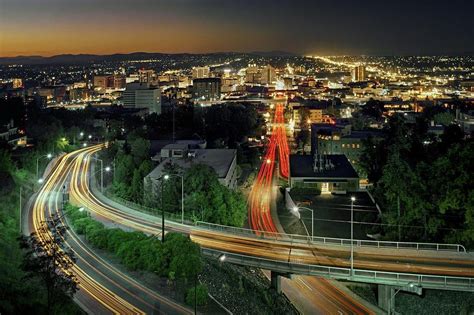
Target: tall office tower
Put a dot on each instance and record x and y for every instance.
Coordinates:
(252, 75)
(146, 76)
(268, 75)
(103, 81)
(200, 72)
(207, 89)
(17, 83)
(141, 95)
(358, 74)
(120, 81)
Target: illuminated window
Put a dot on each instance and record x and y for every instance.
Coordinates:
(353, 146)
(343, 145)
(358, 146)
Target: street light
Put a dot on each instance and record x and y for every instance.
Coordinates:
(107, 168)
(101, 173)
(411, 287)
(352, 235)
(297, 210)
(166, 177)
(269, 161)
(222, 258)
(48, 156)
(40, 181)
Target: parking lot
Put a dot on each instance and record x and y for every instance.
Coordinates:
(332, 215)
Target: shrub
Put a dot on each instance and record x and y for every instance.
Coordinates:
(201, 295)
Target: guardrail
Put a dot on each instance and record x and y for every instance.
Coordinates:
(359, 275)
(329, 240)
(175, 217)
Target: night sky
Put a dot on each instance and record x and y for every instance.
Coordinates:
(49, 27)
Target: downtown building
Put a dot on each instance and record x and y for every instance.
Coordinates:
(201, 72)
(207, 89)
(358, 74)
(141, 95)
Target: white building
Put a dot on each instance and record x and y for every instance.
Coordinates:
(268, 75)
(358, 74)
(201, 72)
(141, 95)
(223, 161)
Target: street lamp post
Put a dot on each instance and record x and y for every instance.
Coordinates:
(49, 156)
(163, 210)
(21, 191)
(167, 176)
(296, 209)
(101, 173)
(352, 235)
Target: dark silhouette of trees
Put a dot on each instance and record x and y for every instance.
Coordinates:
(49, 260)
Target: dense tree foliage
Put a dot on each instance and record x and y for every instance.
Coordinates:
(197, 294)
(427, 180)
(23, 292)
(206, 199)
(178, 258)
(226, 125)
(51, 262)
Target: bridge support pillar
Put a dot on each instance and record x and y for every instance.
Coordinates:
(276, 281)
(384, 292)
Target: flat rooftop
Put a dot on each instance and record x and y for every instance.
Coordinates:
(302, 166)
(219, 159)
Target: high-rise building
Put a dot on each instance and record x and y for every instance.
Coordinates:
(102, 81)
(207, 89)
(252, 75)
(268, 75)
(119, 81)
(146, 76)
(141, 95)
(288, 83)
(201, 72)
(358, 74)
(17, 83)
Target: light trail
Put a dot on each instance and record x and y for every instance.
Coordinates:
(46, 204)
(259, 203)
(415, 262)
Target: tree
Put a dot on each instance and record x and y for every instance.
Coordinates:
(200, 292)
(210, 200)
(139, 148)
(182, 256)
(47, 259)
(445, 118)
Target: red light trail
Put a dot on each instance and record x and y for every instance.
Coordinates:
(260, 218)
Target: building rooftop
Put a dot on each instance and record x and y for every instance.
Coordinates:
(302, 166)
(219, 159)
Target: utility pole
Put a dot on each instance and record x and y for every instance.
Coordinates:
(399, 226)
(174, 136)
(352, 235)
(162, 214)
(195, 293)
(21, 190)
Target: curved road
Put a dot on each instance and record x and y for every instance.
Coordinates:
(103, 288)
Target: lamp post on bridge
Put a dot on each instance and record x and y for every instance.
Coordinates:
(352, 235)
(296, 209)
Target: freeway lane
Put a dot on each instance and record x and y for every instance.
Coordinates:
(103, 288)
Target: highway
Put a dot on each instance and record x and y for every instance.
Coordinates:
(103, 288)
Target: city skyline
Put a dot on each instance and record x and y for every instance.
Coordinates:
(55, 27)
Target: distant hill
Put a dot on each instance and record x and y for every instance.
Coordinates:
(88, 58)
